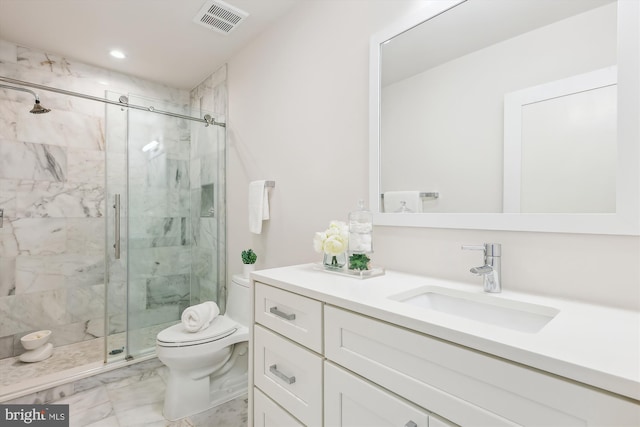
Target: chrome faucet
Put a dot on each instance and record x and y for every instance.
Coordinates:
(490, 271)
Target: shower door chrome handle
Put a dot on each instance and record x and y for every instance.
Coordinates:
(116, 245)
(1, 217)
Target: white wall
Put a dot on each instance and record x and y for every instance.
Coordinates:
(298, 106)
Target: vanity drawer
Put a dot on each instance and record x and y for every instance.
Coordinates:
(350, 400)
(463, 385)
(266, 413)
(290, 374)
(292, 315)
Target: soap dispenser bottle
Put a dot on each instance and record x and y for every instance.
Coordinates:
(360, 231)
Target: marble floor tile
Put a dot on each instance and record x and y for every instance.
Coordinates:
(92, 415)
(133, 396)
(138, 397)
(88, 407)
(142, 415)
(106, 422)
(230, 414)
(137, 401)
(81, 402)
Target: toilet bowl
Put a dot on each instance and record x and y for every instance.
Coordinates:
(208, 367)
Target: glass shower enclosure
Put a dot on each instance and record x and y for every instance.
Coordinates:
(165, 221)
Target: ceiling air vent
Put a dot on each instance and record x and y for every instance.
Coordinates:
(220, 16)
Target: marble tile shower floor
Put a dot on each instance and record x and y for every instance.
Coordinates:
(69, 359)
(63, 358)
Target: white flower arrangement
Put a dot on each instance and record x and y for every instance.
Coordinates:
(333, 241)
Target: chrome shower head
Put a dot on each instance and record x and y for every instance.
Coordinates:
(38, 109)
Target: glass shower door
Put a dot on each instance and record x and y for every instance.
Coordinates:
(159, 223)
(169, 173)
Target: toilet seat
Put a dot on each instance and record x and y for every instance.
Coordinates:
(178, 336)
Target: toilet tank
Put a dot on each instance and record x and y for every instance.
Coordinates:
(238, 300)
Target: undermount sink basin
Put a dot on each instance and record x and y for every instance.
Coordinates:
(484, 308)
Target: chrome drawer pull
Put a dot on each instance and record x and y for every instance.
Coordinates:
(282, 314)
(274, 370)
(411, 424)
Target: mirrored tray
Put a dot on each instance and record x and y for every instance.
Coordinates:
(357, 274)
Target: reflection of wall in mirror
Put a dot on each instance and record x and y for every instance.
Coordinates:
(569, 154)
(442, 129)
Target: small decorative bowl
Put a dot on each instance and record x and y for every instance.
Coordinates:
(35, 339)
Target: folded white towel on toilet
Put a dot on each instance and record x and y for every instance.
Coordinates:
(199, 317)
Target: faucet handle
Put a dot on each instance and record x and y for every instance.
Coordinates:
(474, 247)
(489, 249)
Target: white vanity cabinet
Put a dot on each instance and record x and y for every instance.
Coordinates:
(315, 363)
(465, 386)
(287, 357)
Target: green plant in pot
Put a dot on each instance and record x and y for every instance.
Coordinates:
(248, 260)
(359, 262)
(249, 257)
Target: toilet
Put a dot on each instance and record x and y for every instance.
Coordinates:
(208, 367)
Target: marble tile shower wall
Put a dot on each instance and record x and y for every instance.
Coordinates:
(52, 190)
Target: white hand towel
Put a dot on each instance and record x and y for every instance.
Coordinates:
(393, 201)
(199, 317)
(258, 205)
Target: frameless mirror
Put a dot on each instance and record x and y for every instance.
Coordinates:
(514, 115)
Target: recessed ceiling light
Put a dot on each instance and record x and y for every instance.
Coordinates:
(118, 54)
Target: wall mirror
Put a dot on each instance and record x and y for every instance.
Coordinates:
(508, 115)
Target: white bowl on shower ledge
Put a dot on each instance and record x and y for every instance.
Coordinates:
(35, 339)
(38, 354)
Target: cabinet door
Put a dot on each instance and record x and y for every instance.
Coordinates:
(350, 401)
(266, 413)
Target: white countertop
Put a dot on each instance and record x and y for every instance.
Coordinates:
(592, 344)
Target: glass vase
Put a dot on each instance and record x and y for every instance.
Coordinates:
(334, 262)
